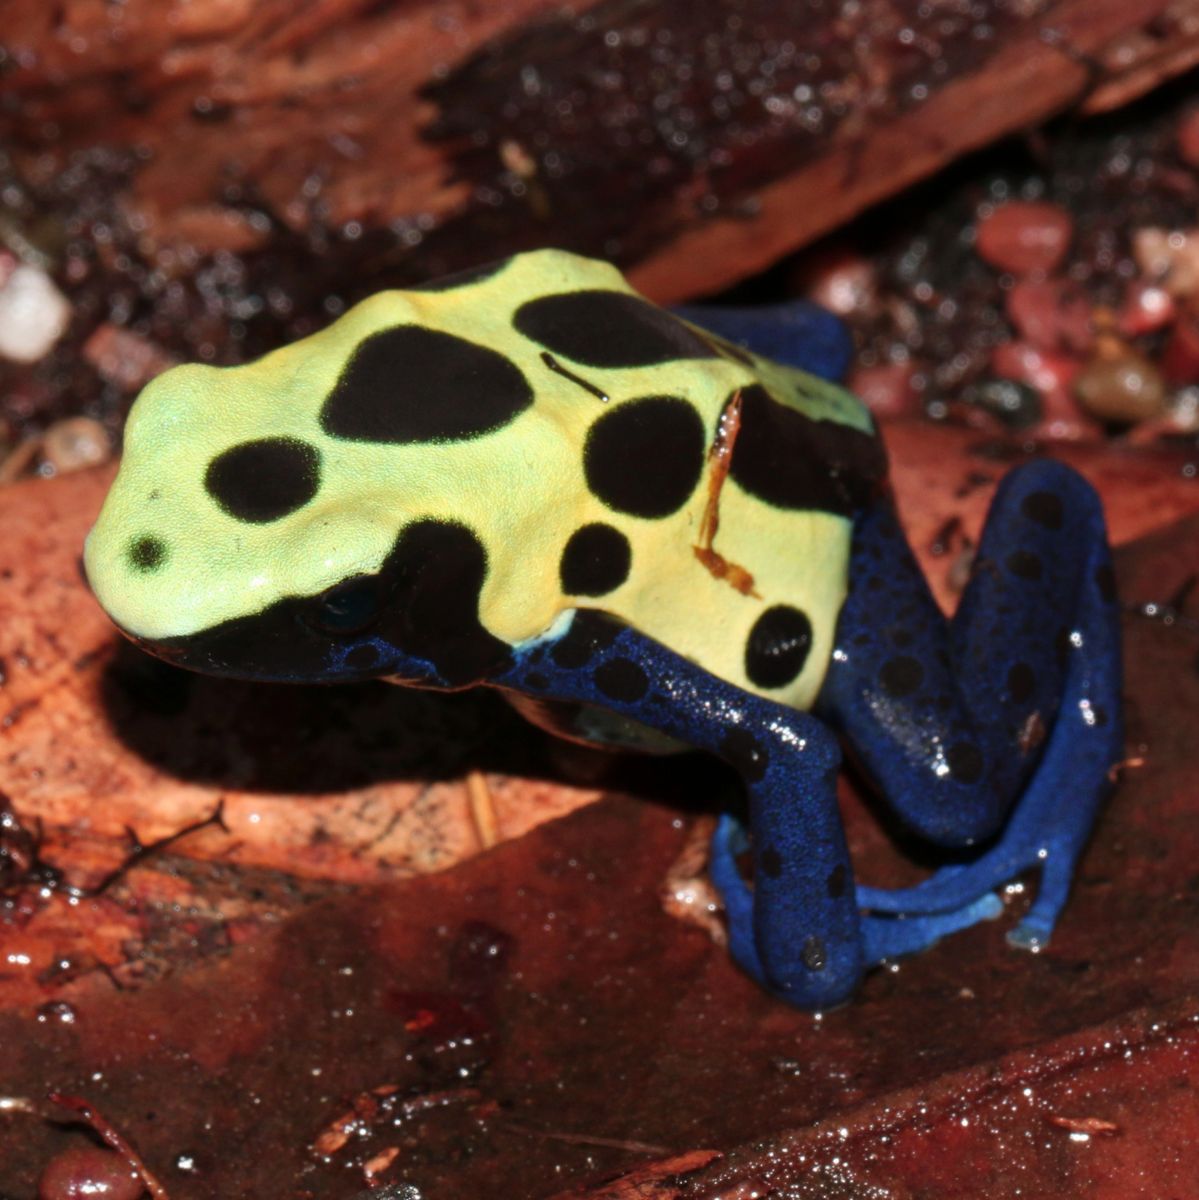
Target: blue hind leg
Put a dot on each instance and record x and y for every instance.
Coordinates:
(882, 937)
(1000, 726)
(794, 332)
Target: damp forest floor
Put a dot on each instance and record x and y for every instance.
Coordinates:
(336, 985)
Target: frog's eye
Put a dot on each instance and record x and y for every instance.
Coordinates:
(349, 607)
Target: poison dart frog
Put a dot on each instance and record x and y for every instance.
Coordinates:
(646, 533)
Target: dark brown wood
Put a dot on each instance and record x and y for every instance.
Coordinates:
(692, 143)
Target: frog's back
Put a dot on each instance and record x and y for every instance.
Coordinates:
(707, 494)
(603, 453)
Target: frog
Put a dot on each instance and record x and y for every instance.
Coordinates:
(646, 533)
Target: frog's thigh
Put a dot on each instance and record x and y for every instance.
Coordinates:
(1017, 696)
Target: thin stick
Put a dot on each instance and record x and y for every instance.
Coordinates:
(482, 809)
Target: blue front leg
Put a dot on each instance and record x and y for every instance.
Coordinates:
(1013, 706)
(804, 939)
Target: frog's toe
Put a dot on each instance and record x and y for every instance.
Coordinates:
(947, 890)
(1037, 925)
(1030, 935)
(895, 936)
(728, 841)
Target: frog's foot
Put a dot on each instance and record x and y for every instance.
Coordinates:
(946, 894)
(884, 937)
(1047, 833)
(728, 841)
(952, 889)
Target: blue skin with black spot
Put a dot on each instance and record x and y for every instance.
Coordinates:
(997, 728)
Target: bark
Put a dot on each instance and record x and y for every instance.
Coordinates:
(691, 144)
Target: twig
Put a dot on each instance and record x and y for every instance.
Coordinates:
(141, 851)
(482, 809)
(587, 1139)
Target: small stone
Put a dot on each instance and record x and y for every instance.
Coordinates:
(839, 279)
(1025, 237)
(1018, 405)
(124, 358)
(88, 1171)
(1124, 389)
(1184, 410)
(1180, 361)
(888, 389)
(74, 443)
(1051, 314)
(1169, 257)
(1063, 420)
(1147, 308)
(1188, 138)
(1044, 370)
(34, 314)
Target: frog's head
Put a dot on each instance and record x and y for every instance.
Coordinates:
(329, 511)
(240, 539)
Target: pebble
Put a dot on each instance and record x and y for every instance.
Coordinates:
(1045, 370)
(88, 1171)
(888, 389)
(1147, 307)
(1169, 257)
(124, 358)
(1180, 361)
(1188, 138)
(34, 314)
(1062, 420)
(1018, 405)
(1025, 237)
(1122, 387)
(1051, 314)
(839, 279)
(74, 443)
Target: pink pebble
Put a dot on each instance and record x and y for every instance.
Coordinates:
(88, 1171)
(125, 358)
(1045, 370)
(1051, 314)
(1188, 138)
(887, 389)
(1180, 362)
(1062, 420)
(1025, 236)
(840, 279)
(1147, 307)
